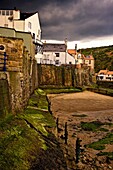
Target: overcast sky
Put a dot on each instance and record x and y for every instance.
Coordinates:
(82, 21)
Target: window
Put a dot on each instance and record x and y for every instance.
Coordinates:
(3, 12)
(29, 25)
(7, 12)
(89, 61)
(5, 25)
(11, 12)
(38, 33)
(57, 54)
(33, 36)
(57, 62)
(101, 77)
(70, 62)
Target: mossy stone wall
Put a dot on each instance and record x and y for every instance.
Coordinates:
(63, 75)
(21, 73)
(105, 84)
(5, 98)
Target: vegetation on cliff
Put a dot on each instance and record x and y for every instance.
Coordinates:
(103, 57)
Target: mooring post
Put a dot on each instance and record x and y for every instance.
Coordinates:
(78, 149)
(49, 105)
(5, 58)
(66, 133)
(57, 121)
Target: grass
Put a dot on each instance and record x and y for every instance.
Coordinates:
(62, 90)
(100, 145)
(91, 126)
(22, 135)
(94, 126)
(16, 142)
(107, 154)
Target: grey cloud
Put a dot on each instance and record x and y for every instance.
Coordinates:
(72, 19)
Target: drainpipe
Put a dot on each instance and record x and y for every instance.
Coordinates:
(66, 51)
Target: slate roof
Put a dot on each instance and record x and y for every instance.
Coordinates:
(48, 47)
(89, 57)
(25, 15)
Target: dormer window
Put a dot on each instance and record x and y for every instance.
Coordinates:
(11, 12)
(7, 12)
(3, 12)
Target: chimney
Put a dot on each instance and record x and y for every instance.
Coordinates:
(75, 47)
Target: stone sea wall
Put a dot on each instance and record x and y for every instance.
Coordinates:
(19, 76)
(63, 75)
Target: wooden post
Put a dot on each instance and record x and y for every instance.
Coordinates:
(78, 150)
(57, 121)
(66, 133)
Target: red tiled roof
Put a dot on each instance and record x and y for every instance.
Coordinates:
(110, 72)
(71, 51)
(103, 72)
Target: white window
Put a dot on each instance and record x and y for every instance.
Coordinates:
(11, 12)
(7, 12)
(29, 25)
(3, 12)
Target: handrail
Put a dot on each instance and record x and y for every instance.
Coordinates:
(4, 61)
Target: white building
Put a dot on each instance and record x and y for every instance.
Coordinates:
(56, 54)
(105, 75)
(25, 22)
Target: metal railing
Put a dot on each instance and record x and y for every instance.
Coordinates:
(3, 62)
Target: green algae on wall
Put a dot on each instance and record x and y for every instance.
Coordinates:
(24, 136)
(5, 105)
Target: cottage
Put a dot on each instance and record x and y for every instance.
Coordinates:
(89, 60)
(54, 53)
(105, 75)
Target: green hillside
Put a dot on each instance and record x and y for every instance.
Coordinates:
(103, 57)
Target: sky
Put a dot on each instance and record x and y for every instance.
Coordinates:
(88, 23)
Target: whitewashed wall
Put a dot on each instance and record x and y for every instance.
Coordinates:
(35, 26)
